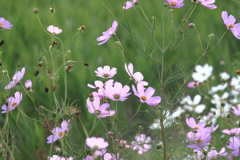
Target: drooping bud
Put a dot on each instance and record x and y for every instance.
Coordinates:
(191, 25)
(35, 10)
(52, 10)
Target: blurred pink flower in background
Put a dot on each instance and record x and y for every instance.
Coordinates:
(16, 78)
(12, 102)
(96, 143)
(4, 23)
(59, 133)
(141, 143)
(229, 22)
(54, 30)
(175, 3)
(207, 3)
(108, 34)
(130, 4)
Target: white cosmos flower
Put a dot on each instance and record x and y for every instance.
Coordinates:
(202, 73)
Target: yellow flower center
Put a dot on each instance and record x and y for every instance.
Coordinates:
(60, 134)
(173, 3)
(196, 127)
(199, 141)
(1, 24)
(231, 26)
(14, 104)
(144, 98)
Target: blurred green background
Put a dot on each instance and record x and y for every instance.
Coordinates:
(23, 46)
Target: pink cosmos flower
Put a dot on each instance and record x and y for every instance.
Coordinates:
(56, 157)
(59, 133)
(199, 140)
(16, 78)
(192, 84)
(175, 3)
(117, 92)
(108, 34)
(28, 85)
(137, 77)
(192, 123)
(234, 145)
(96, 143)
(141, 143)
(232, 132)
(100, 111)
(109, 156)
(207, 3)
(130, 4)
(213, 154)
(12, 102)
(236, 111)
(229, 22)
(4, 23)
(146, 96)
(54, 30)
(106, 72)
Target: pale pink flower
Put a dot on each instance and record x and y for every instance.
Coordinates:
(130, 4)
(232, 132)
(56, 157)
(192, 123)
(54, 30)
(105, 72)
(229, 22)
(207, 3)
(4, 23)
(12, 102)
(146, 96)
(141, 143)
(96, 143)
(108, 34)
(117, 92)
(236, 111)
(137, 77)
(199, 140)
(59, 133)
(175, 3)
(28, 85)
(16, 78)
(100, 111)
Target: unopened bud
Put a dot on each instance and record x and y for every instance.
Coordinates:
(40, 63)
(40, 107)
(228, 115)
(154, 17)
(68, 68)
(82, 28)
(110, 133)
(118, 43)
(36, 73)
(171, 10)
(35, 10)
(211, 35)
(57, 149)
(51, 9)
(191, 25)
(238, 72)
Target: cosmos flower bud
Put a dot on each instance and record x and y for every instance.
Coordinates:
(118, 43)
(238, 72)
(191, 25)
(35, 10)
(211, 35)
(51, 9)
(40, 63)
(82, 28)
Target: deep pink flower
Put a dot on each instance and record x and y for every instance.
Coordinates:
(12, 102)
(199, 140)
(16, 78)
(96, 143)
(175, 3)
(100, 111)
(54, 30)
(192, 123)
(116, 91)
(59, 133)
(4, 23)
(137, 77)
(130, 4)
(234, 145)
(207, 3)
(141, 143)
(229, 22)
(232, 132)
(108, 34)
(236, 111)
(146, 96)
(105, 72)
